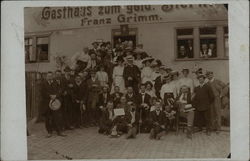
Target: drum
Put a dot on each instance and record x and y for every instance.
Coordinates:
(55, 104)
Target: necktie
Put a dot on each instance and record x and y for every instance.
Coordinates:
(143, 96)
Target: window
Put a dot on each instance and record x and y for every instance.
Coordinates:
(202, 43)
(36, 49)
(29, 56)
(208, 43)
(185, 43)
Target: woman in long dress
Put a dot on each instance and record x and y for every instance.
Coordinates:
(147, 71)
(118, 76)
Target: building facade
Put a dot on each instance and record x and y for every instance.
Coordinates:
(166, 32)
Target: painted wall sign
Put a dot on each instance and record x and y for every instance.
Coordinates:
(50, 18)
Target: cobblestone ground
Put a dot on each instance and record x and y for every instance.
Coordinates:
(86, 143)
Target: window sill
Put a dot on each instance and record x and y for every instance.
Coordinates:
(201, 59)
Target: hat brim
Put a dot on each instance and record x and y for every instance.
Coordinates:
(149, 59)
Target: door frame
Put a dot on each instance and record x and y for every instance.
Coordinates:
(117, 32)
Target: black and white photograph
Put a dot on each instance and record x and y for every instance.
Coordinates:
(128, 81)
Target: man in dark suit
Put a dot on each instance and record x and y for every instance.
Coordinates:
(53, 117)
(103, 98)
(157, 122)
(144, 109)
(116, 96)
(79, 101)
(93, 87)
(106, 118)
(131, 96)
(67, 82)
(159, 81)
(132, 74)
(132, 120)
(202, 101)
(189, 49)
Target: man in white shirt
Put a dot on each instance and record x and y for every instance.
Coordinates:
(80, 59)
(186, 80)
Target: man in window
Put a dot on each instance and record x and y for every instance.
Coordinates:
(189, 49)
(204, 51)
(182, 52)
(211, 50)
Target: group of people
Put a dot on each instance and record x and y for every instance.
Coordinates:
(150, 96)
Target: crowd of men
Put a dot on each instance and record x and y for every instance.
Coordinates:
(153, 97)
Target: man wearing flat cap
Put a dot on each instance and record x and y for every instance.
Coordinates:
(202, 101)
(131, 74)
(217, 87)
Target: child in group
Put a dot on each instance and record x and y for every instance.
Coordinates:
(157, 122)
(170, 118)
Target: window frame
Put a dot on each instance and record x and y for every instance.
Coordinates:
(197, 48)
(34, 46)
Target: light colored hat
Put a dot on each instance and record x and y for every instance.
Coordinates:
(147, 59)
(55, 104)
(130, 57)
(163, 67)
(201, 75)
(209, 72)
(154, 63)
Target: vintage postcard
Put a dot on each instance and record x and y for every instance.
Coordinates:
(123, 80)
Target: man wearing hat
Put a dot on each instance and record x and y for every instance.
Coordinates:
(159, 80)
(95, 47)
(93, 62)
(186, 80)
(202, 101)
(80, 60)
(217, 87)
(131, 74)
(79, 101)
(67, 82)
(93, 87)
(53, 120)
(197, 73)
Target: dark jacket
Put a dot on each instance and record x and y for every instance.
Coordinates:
(158, 84)
(133, 98)
(102, 101)
(47, 90)
(147, 99)
(131, 71)
(157, 119)
(115, 97)
(79, 92)
(128, 118)
(203, 97)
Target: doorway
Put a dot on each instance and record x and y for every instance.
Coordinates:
(131, 36)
